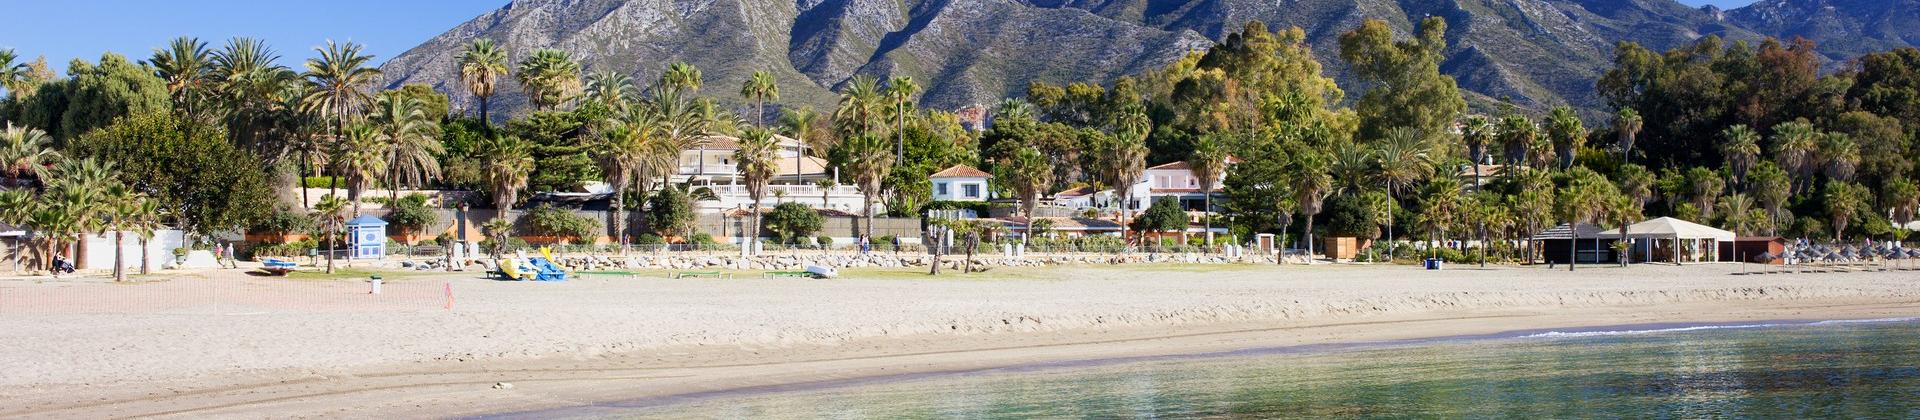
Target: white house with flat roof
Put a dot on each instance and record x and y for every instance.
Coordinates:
(961, 183)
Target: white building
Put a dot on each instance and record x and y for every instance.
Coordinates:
(961, 183)
(710, 165)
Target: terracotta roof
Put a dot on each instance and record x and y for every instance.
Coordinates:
(1076, 192)
(1182, 165)
(961, 171)
(725, 142)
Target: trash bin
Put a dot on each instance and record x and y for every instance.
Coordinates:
(376, 284)
(1433, 264)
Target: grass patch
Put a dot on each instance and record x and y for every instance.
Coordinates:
(355, 274)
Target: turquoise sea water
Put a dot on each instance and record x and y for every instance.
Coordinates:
(1844, 369)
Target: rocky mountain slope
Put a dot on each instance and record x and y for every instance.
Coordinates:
(1539, 53)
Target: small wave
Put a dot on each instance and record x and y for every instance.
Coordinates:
(1562, 334)
(1574, 334)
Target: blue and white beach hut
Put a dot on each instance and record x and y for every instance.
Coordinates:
(368, 236)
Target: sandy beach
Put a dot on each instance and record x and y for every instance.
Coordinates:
(227, 344)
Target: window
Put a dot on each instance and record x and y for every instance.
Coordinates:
(970, 190)
(1193, 182)
(940, 188)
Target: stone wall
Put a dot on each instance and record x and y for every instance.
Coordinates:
(794, 262)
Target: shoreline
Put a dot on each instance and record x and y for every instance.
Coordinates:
(588, 381)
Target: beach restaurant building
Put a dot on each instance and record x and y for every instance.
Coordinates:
(1673, 240)
(1583, 243)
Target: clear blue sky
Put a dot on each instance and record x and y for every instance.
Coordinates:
(66, 29)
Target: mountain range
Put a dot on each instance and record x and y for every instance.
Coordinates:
(1536, 53)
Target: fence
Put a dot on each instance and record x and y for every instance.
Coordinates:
(190, 295)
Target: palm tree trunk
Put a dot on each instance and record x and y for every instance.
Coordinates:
(866, 206)
(1206, 219)
(1573, 245)
(484, 121)
(900, 133)
(119, 257)
(619, 218)
(1389, 222)
(144, 261)
(331, 228)
(1309, 240)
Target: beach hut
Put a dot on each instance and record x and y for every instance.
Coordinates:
(1748, 248)
(368, 235)
(1677, 241)
(1587, 244)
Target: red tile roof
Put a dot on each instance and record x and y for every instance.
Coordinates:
(961, 171)
(1182, 165)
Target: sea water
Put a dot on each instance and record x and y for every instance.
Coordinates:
(1835, 369)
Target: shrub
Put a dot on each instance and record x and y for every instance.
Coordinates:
(554, 221)
(791, 220)
(703, 239)
(649, 239)
(512, 244)
(825, 241)
(291, 249)
(283, 221)
(411, 213)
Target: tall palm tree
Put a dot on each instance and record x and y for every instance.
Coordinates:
(1636, 182)
(1707, 187)
(760, 88)
(508, 162)
(859, 106)
(1028, 174)
(681, 76)
(1311, 184)
(631, 148)
(1207, 162)
(1735, 209)
(1580, 202)
(186, 65)
(1443, 207)
(330, 212)
(802, 124)
(869, 160)
(1400, 158)
(1840, 155)
(1351, 164)
(1794, 144)
(1741, 149)
(900, 91)
(550, 77)
(1623, 209)
(1903, 197)
(252, 90)
(412, 138)
(1123, 158)
(1517, 136)
(361, 158)
(1844, 200)
(1478, 132)
(1771, 187)
(611, 88)
(757, 159)
(481, 66)
(144, 219)
(1627, 124)
(123, 206)
(338, 80)
(82, 189)
(1568, 134)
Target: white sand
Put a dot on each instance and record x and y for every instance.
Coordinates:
(112, 357)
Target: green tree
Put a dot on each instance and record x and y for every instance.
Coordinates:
(1208, 162)
(757, 158)
(1400, 159)
(203, 181)
(1165, 215)
(361, 157)
(410, 214)
(331, 213)
(610, 89)
(900, 91)
(1310, 184)
(1839, 155)
(1027, 175)
(1794, 145)
(804, 126)
(561, 224)
(670, 212)
(792, 220)
(481, 66)
(1771, 188)
(760, 88)
(1707, 186)
(549, 77)
(1627, 125)
(186, 65)
(868, 161)
(1568, 135)
(507, 164)
(412, 141)
(1741, 149)
(1844, 201)
(338, 81)
(1408, 89)
(1582, 201)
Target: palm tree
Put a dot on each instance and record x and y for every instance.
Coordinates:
(124, 206)
(1478, 132)
(1443, 208)
(361, 158)
(611, 88)
(25, 152)
(1400, 159)
(760, 88)
(1207, 162)
(82, 190)
(1707, 187)
(1794, 145)
(1624, 209)
(1771, 187)
(329, 212)
(1311, 184)
(1123, 158)
(186, 66)
(900, 91)
(412, 141)
(1517, 135)
(1840, 154)
(1843, 200)
(631, 149)
(859, 106)
(1350, 163)
(253, 91)
(498, 230)
(1903, 197)
(1627, 124)
(826, 186)
(758, 157)
(144, 219)
(1735, 209)
(1568, 134)
(13, 76)
(1028, 173)
(1742, 150)
(481, 66)
(1580, 202)
(550, 77)
(508, 163)
(681, 76)
(337, 81)
(869, 161)
(802, 124)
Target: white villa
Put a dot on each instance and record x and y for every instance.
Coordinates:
(711, 165)
(961, 183)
